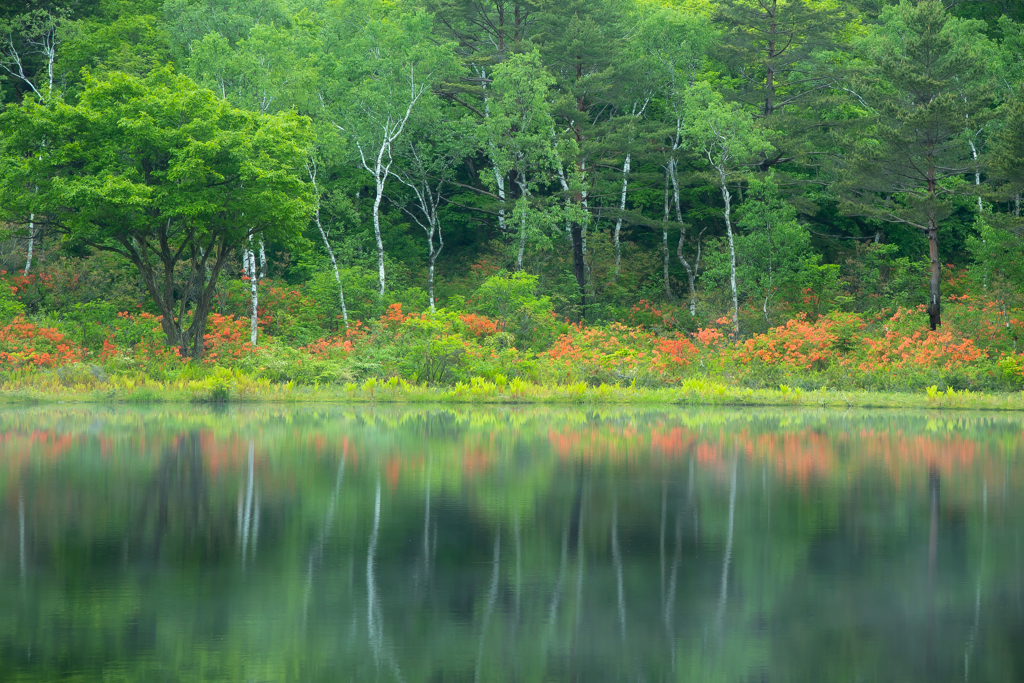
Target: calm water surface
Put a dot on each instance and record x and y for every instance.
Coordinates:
(517, 544)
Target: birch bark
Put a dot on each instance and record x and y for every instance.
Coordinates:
(311, 169)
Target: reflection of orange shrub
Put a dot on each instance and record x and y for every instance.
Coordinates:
(24, 344)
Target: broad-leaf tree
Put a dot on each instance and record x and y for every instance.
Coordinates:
(163, 173)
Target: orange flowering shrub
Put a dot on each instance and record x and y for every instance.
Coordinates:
(338, 345)
(24, 344)
(226, 339)
(930, 348)
(479, 325)
(619, 353)
(393, 318)
(798, 343)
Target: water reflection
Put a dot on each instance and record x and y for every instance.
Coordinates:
(508, 544)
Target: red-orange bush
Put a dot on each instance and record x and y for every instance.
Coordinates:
(25, 344)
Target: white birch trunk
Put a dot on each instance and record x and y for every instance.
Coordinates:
(499, 178)
(254, 301)
(583, 228)
(522, 241)
(691, 269)
(311, 169)
(977, 176)
(376, 234)
(727, 213)
(524, 191)
(664, 246)
(622, 207)
(263, 261)
(31, 242)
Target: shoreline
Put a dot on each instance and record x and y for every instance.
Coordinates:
(241, 389)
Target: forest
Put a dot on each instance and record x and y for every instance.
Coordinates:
(486, 193)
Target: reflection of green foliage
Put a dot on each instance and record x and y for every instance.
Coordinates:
(831, 514)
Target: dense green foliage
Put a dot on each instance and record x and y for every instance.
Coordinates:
(783, 174)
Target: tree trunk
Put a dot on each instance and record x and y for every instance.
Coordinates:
(691, 271)
(578, 266)
(376, 234)
(31, 242)
(430, 272)
(311, 169)
(499, 179)
(935, 282)
(664, 246)
(254, 297)
(977, 176)
(622, 208)
(727, 213)
(666, 258)
(690, 282)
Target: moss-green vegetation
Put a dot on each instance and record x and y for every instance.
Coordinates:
(79, 384)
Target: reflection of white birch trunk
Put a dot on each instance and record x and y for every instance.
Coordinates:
(670, 598)
(556, 596)
(247, 515)
(519, 564)
(972, 638)
(580, 564)
(724, 591)
(617, 561)
(318, 549)
(21, 535)
(373, 622)
(492, 598)
(661, 535)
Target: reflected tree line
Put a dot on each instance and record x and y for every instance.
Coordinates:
(537, 567)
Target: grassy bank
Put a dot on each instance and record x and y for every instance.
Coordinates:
(228, 386)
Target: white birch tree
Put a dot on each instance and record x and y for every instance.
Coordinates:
(725, 136)
(28, 55)
(427, 161)
(394, 65)
(518, 132)
(311, 170)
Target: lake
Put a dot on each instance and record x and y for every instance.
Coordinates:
(339, 543)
